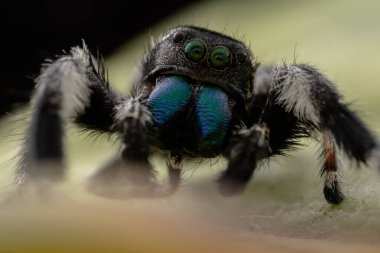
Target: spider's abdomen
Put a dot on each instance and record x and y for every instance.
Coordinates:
(192, 119)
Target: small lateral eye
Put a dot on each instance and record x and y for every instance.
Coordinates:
(178, 37)
(195, 50)
(242, 57)
(220, 57)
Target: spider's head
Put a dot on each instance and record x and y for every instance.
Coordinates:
(206, 57)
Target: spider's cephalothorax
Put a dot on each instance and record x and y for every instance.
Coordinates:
(198, 93)
(198, 83)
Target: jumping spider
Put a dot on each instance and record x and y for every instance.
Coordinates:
(198, 94)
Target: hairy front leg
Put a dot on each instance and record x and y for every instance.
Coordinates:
(72, 88)
(246, 148)
(130, 173)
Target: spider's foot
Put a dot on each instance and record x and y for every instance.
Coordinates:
(332, 196)
(34, 191)
(121, 179)
(230, 187)
(31, 185)
(331, 190)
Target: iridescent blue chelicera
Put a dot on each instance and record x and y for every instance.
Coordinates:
(170, 96)
(173, 94)
(214, 115)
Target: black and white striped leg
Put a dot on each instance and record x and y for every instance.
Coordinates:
(247, 147)
(131, 120)
(331, 190)
(69, 89)
(62, 93)
(316, 104)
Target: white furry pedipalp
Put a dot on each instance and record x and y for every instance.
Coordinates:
(131, 108)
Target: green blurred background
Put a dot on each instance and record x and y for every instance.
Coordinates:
(340, 38)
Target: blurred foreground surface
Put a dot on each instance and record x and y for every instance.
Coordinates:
(282, 210)
(144, 226)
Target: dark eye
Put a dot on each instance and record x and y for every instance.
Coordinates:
(195, 50)
(220, 57)
(242, 57)
(178, 37)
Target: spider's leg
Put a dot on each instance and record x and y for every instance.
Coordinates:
(174, 173)
(174, 170)
(246, 147)
(130, 173)
(312, 102)
(331, 190)
(271, 130)
(68, 89)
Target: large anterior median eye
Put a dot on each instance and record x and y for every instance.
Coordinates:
(220, 57)
(195, 50)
